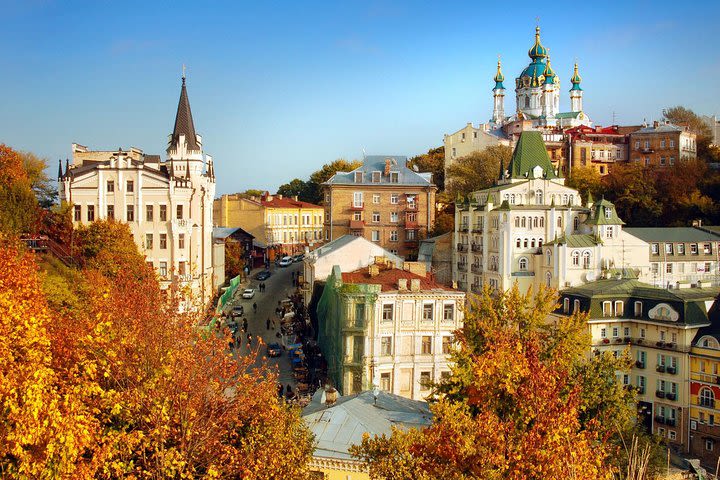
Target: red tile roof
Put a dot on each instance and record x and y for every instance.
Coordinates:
(286, 203)
(388, 279)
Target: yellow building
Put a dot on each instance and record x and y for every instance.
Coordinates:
(704, 438)
(287, 224)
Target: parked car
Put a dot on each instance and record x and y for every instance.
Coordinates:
(274, 350)
(248, 293)
(298, 258)
(238, 310)
(286, 261)
(264, 275)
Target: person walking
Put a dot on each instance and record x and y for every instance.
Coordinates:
(249, 339)
(255, 307)
(245, 324)
(267, 324)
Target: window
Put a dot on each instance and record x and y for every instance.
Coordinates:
(655, 248)
(387, 312)
(376, 217)
(359, 315)
(706, 398)
(357, 216)
(394, 198)
(91, 213)
(518, 243)
(410, 234)
(575, 258)
(394, 217)
(131, 213)
(576, 306)
(609, 231)
(637, 145)
(110, 186)
(163, 213)
(149, 241)
(376, 198)
(662, 143)
(376, 177)
(130, 186)
(707, 248)
(672, 143)
(163, 241)
(608, 212)
(358, 177)
(394, 176)
(642, 333)
(638, 309)
(446, 344)
(616, 332)
(566, 305)
(148, 213)
(619, 308)
(603, 332)
(668, 268)
(393, 236)
(425, 380)
(709, 444)
(181, 268)
(385, 345)
(179, 212)
(586, 260)
(626, 331)
(385, 382)
(607, 309)
(576, 223)
(376, 235)
(111, 211)
(78, 213)
(426, 345)
(427, 312)
(548, 258)
(163, 269)
(548, 279)
(669, 248)
(181, 240)
(523, 263)
(654, 268)
(448, 313)
(672, 160)
(693, 249)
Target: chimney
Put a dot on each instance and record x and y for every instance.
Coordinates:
(656, 124)
(402, 284)
(379, 260)
(279, 197)
(331, 396)
(373, 270)
(387, 166)
(414, 284)
(295, 197)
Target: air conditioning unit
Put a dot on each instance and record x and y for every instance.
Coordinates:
(693, 425)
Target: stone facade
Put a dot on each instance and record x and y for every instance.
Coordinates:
(662, 145)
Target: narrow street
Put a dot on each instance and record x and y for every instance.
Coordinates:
(277, 288)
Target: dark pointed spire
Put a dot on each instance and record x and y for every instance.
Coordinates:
(59, 169)
(502, 170)
(67, 166)
(184, 122)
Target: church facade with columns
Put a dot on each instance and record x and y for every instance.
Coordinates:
(167, 203)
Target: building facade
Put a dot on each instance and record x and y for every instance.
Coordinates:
(287, 225)
(533, 230)
(705, 393)
(662, 145)
(384, 201)
(658, 328)
(166, 203)
(388, 327)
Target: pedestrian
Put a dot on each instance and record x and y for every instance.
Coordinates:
(249, 339)
(280, 390)
(255, 307)
(245, 325)
(267, 324)
(288, 391)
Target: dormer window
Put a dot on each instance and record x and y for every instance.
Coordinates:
(376, 177)
(358, 177)
(394, 177)
(608, 212)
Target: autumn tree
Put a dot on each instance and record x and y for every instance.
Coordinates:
(632, 188)
(476, 171)
(40, 182)
(19, 210)
(434, 162)
(444, 222)
(234, 258)
(586, 180)
(522, 401)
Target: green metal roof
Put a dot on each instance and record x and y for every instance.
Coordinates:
(577, 241)
(673, 234)
(567, 115)
(598, 217)
(529, 153)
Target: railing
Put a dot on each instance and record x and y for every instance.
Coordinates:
(660, 369)
(61, 253)
(411, 207)
(476, 247)
(476, 287)
(660, 394)
(464, 228)
(475, 268)
(462, 247)
(357, 224)
(640, 364)
(671, 396)
(355, 207)
(411, 243)
(477, 229)
(462, 267)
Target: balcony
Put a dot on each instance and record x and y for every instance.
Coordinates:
(357, 207)
(476, 248)
(671, 396)
(477, 229)
(357, 224)
(476, 288)
(671, 370)
(670, 422)
(660, 369)
(462, 247)
(660, 420)
(462, 267)
(640, 390)
(411, 243)
(411, 224)
(640, 364)
(476, 268)
(647, 150)
(464, 228)
(659, 394)
(411, 207)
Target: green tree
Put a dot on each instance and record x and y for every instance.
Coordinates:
(586, 180)
(40, 182)
(632, 188)
(685, 117)
(19, 211)
(476, 171)
(296, 187)
(322, 175)
(434, 162)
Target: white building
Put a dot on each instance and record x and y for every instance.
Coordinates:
(532, 229)
(167, 204)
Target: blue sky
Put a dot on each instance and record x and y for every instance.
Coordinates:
(280, 88)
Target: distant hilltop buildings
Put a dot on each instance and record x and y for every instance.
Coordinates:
(570, 138)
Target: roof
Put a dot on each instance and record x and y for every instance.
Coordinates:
(284, 202)
(184, 122)
(377, 163)
(673, 234)
(427, 246)
(567, 115)
(224, 232)
(530, 152)
(388, 278)
(345, 240)
(661, 128)
(577, 241)
(599, 217)
(343, 424)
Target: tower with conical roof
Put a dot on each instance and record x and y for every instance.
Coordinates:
(551, 92)
(576, 92)
(499, 97)
(184, 151)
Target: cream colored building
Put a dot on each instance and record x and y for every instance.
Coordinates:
(166, 203)
(288, 224)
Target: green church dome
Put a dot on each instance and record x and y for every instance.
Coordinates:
(537, 51)
(499, 78)
(576, 79)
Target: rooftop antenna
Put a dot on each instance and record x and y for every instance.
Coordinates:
(614, 116)
(363, 153)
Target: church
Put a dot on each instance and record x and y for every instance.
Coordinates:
(168, 204)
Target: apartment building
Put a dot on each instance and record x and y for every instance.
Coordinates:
(704, 404)
(167, 204)
(598, 147)
(383, 326)
(384, 201)
(662, 145)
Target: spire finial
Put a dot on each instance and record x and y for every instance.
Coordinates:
(183, 73)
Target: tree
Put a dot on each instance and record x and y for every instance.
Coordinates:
(476, 171)
(444, 222)
(586, 180)
(434, 162)
(19, 211)
(318, 177)
(40, 182)
(296, 188)
(685, 117)
(632, 188)
(522, 401)
(234, 258)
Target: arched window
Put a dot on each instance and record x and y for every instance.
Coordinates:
(538, 197)
(548, 258)
(535, 222)
(532, 243)
(527, 101)
(523, 263)
(525, 243)
(708, 342)
(548, 279)
(523, 222)
(576, 306)
(542, 222)
(559, 222)
(565, 199)
(576, 223)
(575, 258)
(572, 200)
(586, 260)
(517, 243)
(707, 398)
(512, 199)
(517, 221)
(540, 240)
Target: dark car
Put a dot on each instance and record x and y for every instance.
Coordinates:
(274, 350)
(264, 275)
(298, 258)
(238, 310)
